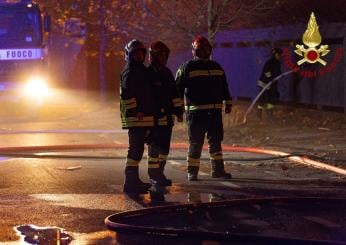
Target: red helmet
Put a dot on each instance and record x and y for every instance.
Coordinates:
(156, 48)
(201, 42)
(201, 47)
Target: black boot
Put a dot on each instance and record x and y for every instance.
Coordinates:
(165, 181)
(133, 184)
(218, 170)
(192, 173)
(157, 178)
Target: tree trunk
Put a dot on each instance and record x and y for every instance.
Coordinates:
(212, 21)
(102, 76)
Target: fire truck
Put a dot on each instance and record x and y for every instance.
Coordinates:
(24, 35)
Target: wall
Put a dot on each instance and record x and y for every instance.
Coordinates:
(243, 53)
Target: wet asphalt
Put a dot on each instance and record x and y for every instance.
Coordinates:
(77, 194)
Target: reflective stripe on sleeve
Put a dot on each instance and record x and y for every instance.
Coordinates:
(203, 107)
(261, 84)
(268, 74)
(177, 102)
(129, 103)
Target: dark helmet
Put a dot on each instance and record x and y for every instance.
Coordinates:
(132, 46)
(276, 51)
(201, 43)
(155, 48)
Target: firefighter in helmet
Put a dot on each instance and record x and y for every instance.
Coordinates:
(271, 69)
(168, 104)
(203, 83)
(137, 109)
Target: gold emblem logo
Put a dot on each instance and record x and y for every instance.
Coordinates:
(312, 38)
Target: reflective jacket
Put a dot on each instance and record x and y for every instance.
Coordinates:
(204, 84)
(136, 95)
(271, 69)
(167, 99)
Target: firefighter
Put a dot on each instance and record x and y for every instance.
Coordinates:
(168, 104)
(137, 113)
(203, 83)
(271, 69)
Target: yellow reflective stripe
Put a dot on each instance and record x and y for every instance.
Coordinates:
(227, 102)
(270, 106)
(155, 165)
(129, 101)
(162, 121)
(145, 119)
(177, 102)
(198, 73)
(163, 157)
(266, 106)
(131, 106)
(216, 153)
(137, 124)
(131, 163)
(216, 157)
(153, 159)
(203, 107)
(268, 74)
(261, 84)
(193, 160)
(216, 72)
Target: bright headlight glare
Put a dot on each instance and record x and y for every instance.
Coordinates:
(36, 86)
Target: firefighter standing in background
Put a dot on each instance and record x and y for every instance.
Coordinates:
(168, 103)
(204, 85)
(137, 108)
(271, 69)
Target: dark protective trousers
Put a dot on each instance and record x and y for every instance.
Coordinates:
(159, 147)
(138, 137)
(164, 135)
(201, 123)
(270, 97)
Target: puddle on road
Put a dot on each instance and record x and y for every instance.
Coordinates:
(32, 234)
(184, 197)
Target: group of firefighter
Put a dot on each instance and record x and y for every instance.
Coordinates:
(151, 99)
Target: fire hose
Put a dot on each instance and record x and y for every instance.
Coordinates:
(263, 90)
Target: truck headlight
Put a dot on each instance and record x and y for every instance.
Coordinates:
(36, 87)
